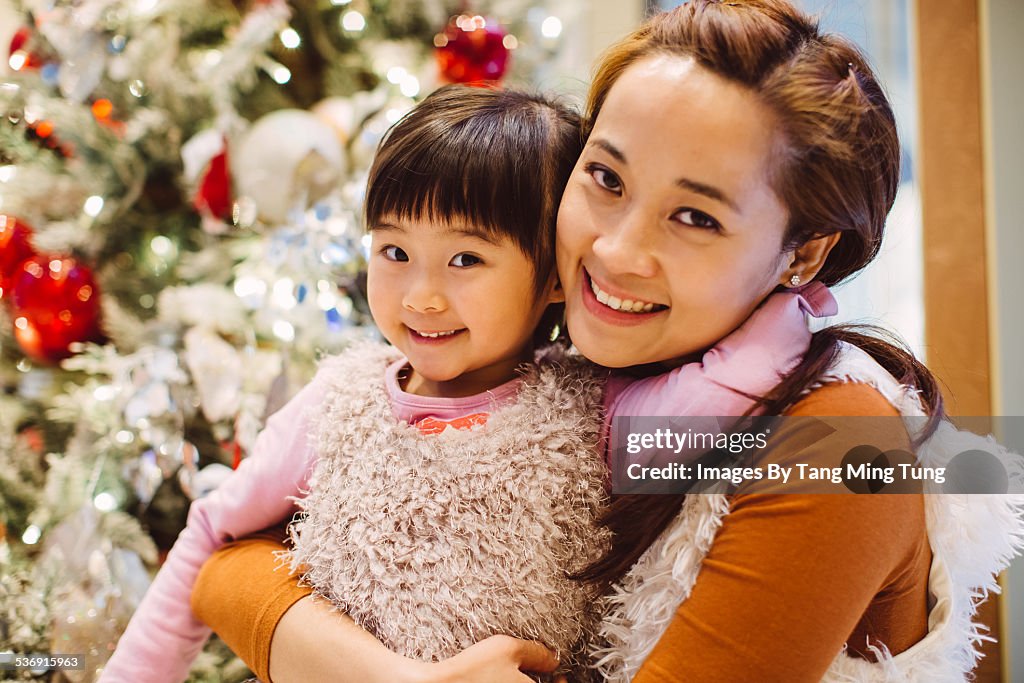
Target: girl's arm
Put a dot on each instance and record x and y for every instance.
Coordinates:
(163, 636)
(284, 636)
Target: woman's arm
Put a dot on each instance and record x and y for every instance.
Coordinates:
(257, 607)
(789, 578)
(247, 596)
(348, 653)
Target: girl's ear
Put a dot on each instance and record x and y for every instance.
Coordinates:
(556, 295)
(808, 259)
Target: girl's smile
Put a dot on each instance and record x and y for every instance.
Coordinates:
(423, 337)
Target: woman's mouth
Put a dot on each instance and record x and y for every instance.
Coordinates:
(616, 309)
(617, 304)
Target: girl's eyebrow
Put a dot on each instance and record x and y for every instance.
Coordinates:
(460, 230)
(472, 231)
(709, 191)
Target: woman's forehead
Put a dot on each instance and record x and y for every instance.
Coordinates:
(669, 115)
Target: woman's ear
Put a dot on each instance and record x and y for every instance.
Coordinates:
(808, 259)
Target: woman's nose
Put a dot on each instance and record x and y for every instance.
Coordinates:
(425, 294)
(626, 248)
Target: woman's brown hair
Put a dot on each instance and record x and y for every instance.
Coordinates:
(836, 169)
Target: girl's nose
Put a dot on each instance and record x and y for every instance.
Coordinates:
(626, 248)
(425, 295)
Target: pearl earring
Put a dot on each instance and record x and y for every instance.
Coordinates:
(794, 281)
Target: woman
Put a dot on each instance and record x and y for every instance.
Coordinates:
(732, 149)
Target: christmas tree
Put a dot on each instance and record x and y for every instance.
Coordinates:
(180, 240)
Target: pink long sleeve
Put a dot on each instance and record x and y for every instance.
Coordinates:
(749, 362)
(163, 636)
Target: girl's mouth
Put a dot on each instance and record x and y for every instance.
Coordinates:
(434, 336)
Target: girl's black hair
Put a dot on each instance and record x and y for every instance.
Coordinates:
(497, 159)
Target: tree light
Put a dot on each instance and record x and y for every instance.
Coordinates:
(281, 74)
(31, 535)
(284, 331)
(93, 206)
(353, 21)
(551, 27)
(105, 502)
(161, 246)
(410, 86)
(18, 60)
(396, 74)
(290, 38)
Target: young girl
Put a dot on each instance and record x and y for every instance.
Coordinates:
(449, 482)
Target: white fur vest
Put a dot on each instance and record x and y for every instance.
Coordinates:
(972, 537)
(435, 542)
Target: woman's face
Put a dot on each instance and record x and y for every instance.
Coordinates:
(669, 233)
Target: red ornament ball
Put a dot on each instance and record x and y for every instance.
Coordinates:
(56, 302)
(15, 247)
(471, 49)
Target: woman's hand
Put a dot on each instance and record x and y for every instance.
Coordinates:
(314, 643)
(498, 659)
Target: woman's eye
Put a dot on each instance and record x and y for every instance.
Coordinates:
(393, 253)
(465, 260)
(698, 219)
(604, 178)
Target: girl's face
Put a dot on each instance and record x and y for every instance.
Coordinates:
(457, 303)
(669, 233)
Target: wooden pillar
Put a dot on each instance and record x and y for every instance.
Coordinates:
(951, 170)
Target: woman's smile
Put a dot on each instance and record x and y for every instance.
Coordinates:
(616, 310)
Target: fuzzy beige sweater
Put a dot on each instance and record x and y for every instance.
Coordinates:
(434, 542)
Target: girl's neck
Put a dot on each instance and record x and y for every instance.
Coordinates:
(468, 383)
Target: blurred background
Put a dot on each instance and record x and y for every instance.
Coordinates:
(180, 188)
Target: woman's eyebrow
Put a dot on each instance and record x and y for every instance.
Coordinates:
(709, 191)
(614, 151)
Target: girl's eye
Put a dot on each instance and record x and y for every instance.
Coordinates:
(393, 253)
(604, 178)
(465, 260)
(698, 219)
